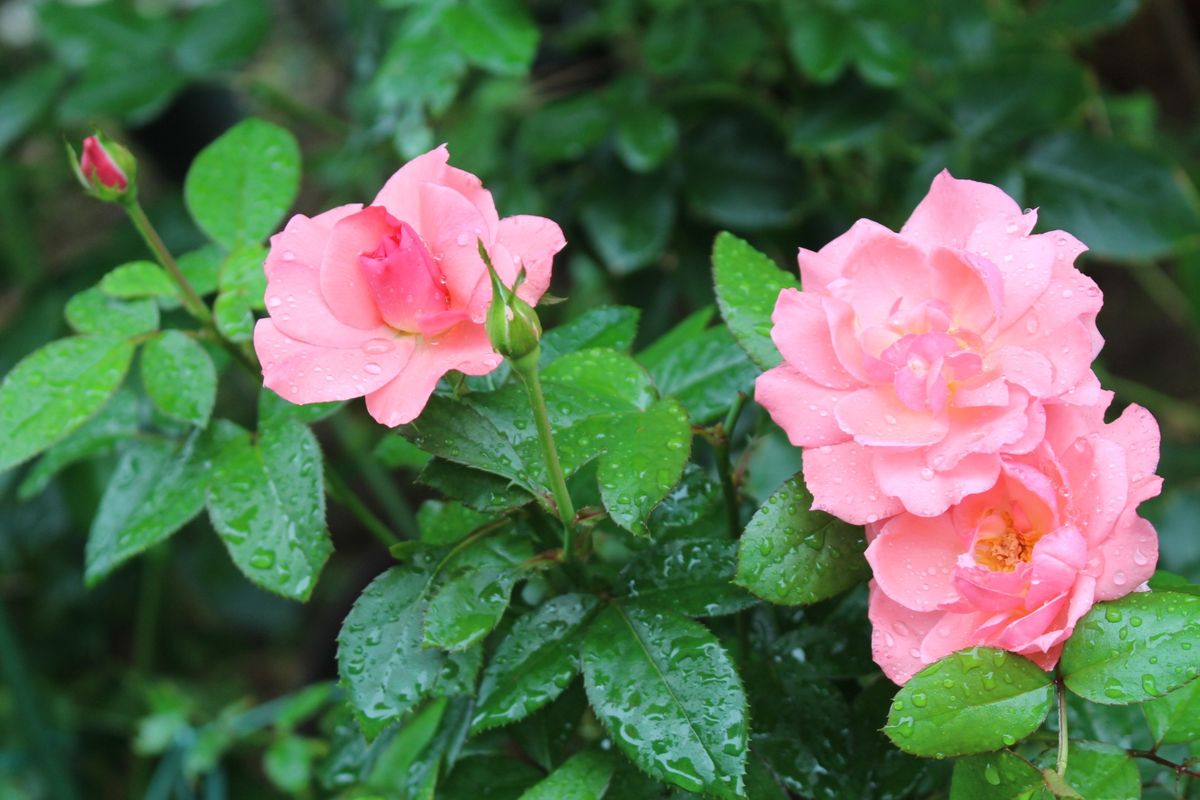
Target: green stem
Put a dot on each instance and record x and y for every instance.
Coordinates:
(527, 368)
(191, 301)
(725, 468)
(1063, 748)
(346, 497)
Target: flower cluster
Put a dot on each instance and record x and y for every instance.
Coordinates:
(939, 380)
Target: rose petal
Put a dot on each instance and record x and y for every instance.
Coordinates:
(875, 416)
(953, 210)
(896, 635)
(842, 483)
(913, 558)
(925, 491)
(803, 409)
(801, 332)
(343, 285)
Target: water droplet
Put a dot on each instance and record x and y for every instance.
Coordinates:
(288, 255)
(461, 240)
(991, 774)
(1067, 294)
(372, 368)
(926, 473)
(1031, 325)
(275, 302)
(376, 347)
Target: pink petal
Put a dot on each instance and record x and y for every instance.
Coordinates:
(302, 241)
(803, 409)
(841, 481)
(403, 280)
(953, 632)
(1098, 481)
(533, 241)
(1130, 554)
(953, 209)
(343, 286)
(896, 636)
(1030, 370)
(883, 269)
(913, 558)
(1026, 263)
(452, 228)
(464, 348)
(401, 194)
(1058, 558)
(1021, 632)
(927, 492)
(819, 269)
(983, 429)
(876, 417)
(801, 332)
(1137, 432)
(970, 286)
(300, 372)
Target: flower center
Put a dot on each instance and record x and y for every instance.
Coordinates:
(1004, 540)
(407, 285)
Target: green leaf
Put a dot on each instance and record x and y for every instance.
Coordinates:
(693, 577)
(612, 327)
(475, 488)
(645, 137)
(114, 423)
(705, 372)
(239, 187)
(472, 589)
(381, 660)
(644, 463)
(537, 660)
(498, 35)
(505, 778)
(202, 268)
(25, 98)
(220, 36)
(820, 42)
(234, 316)
(994, 776)
(1134, 649)
(792, 556)
(1102, 772)
(630, 222)
(242, 271)
(566, 129)
(1120, 202)
(747, 285)
(1174, 718)
(179, 377)
(92, 311)
(272, 407)
(584, 776)
(157, 488)
(137, 279)
(670, 696)
(972, 701)
(267, 503)
(442, 523)
(396, 452)
(288, 763)
(55, 389)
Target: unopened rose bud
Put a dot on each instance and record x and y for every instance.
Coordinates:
(512, 324)
(107, 170)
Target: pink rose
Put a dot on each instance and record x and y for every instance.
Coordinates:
(913, 362)
(1016, 566)
(383, 301)
(98, 166)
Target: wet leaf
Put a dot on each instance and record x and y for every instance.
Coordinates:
(179, 377)
(584, 776)
(55, 389)
(93, 311)
(1174, 718)
(137, 279)
(447, 522)
(267, 502)
(610, 327)
(1102, 772)
(1134, 649)
(537, 660)
(747, 284)
(791, 555)
(239, 187)
(704, 370)
(645, 460)
(972, 701)
(693, 577)
(670, 696)
(994, 776)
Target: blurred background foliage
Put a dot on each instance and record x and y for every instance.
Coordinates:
(643, 127)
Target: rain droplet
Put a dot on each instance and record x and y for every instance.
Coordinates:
(372, 368)
(377, 347)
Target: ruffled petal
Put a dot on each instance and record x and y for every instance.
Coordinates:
(804, 410)
(843, 484)
(401, 194)
(452, 228)
(343, 286)
(819, 269)
(1130, 554)
(913, 560)
(896, 636)
(882, 270)
(927, 492)
(875, 417)
(801, 332)
(533, 242)
(953, 210)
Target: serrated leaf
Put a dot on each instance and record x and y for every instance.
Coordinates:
(670, 696)
(242, 271)
(472, 589)
(116, 421)
(693, 577)
(442, 523)
(1134, 649)
(475, 488)
(791, 555)
(234, 316)
(179, 377)
(55, 389)
(267, 503)
(92, 311)
(498, 35)
(994, 776)
(137, 279)
(612, 327)
(972, 701)
(584, 776)
(1098, 771)
(157, 488)
(705, 372)
(239, 187)
(747, 284)
(381, 660)
(534, 664)
(644, 461)
(1174, 718)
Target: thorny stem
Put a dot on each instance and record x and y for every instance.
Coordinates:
(527, 368)
(724, 467)
(1061, 764)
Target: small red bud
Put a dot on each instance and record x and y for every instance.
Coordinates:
(99, 167)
